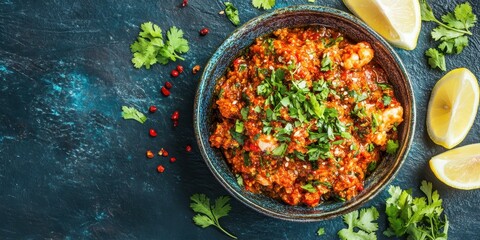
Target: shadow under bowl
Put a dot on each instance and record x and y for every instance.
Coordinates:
(298, 16)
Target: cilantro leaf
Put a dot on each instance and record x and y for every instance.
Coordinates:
(176, 40)
(309, 187)
(321, 231)
(132, 113)
(232, 13)
(464, 14)
(265, 4)
(392, 146)
(452, 33)
(418, 218)
(326, 63)
(436, 59)
(209, 215)
(364, 221)
(150, 48)
(386, 100)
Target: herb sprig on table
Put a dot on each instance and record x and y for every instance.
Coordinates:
(132, 113)
(232, 13)
(416, 218)
(452, 33)
(208, 215)
(265, 4)
(150, 47)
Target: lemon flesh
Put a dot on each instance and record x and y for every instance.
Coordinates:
(453, 107)
(458, 168)
(399, 22)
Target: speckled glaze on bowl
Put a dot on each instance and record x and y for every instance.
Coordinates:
(296, 16)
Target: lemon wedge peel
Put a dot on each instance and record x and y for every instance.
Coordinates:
(452, 107)
(399, 22)
(458, 168)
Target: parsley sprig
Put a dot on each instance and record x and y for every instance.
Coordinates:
(132, 113)
(364, 221)
(452, 33)
(265, 4)
(418, 218)
(150, 47)
(208, 215)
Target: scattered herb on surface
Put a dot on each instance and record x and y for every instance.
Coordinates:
(265, 4)
(132, 113)
(208, 215)
(150, 47)
(311, 1)
(364, 221)
(232, 13)
(452, 33)
(321, 231)
(417, 218)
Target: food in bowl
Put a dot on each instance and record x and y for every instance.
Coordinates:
(304, 115)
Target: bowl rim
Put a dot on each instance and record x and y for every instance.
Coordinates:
(402, 153)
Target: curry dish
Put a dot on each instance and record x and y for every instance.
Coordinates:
(304, 115)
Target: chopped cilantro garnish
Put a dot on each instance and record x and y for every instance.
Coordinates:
(280, 150)
(239, 126)
(326, 63)
(392, 146)
(246, 159)
(232, 13)
(309, 187)
(244, 113)
(386, 100)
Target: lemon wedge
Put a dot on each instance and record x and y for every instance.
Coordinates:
(458, 168)
(398, 21)
(452, 108)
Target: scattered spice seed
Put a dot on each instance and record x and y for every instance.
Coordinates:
(180, 68)
(184, 3)
(168, 85)
(165, 92)
(204, 31)
(172, 159)
(160, 168)
(175, 123)
(163, 152)
(196, 69)
(188, 148)
(152, 133)
(221, 12)
(150, 154)
(152, 109)
(175, 115)
(174, 73)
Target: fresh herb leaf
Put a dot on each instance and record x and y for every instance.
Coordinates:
(265, 4)
(280, 150)
(364, 221)
(436, 59)
(239, 126)
(132, 113)
(246, 159)
(239, 180)
(232, 13)
(370, 147)
(452, 33)
(237, 136)
(326, 63)
(208, 215)
(244, 113)
(392, 146)
(310, 188)
(320, 231)
(150, 47)
(417, 218)
(386, 100)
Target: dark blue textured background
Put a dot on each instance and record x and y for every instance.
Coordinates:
(71, 168)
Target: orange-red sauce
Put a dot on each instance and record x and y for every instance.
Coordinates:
(304, 116)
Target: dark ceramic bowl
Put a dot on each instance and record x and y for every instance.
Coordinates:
(297, 16)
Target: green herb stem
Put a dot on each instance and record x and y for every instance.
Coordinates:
(453, 29)
(225, 231)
